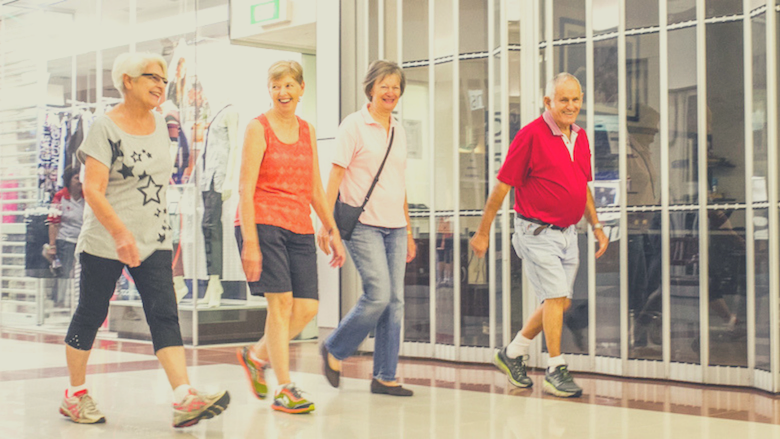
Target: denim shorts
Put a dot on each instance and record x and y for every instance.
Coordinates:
(550, 258)
(289, 262)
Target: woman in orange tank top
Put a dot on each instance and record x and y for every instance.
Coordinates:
(279, 180)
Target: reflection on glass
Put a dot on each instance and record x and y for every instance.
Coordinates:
(542, 21)
(445, 262)
(86, 80)
(761, 267)
(684, 286)
(725, 113)
(473, 153)
(728, 313)
(641, 13)
(373, 30)
(721, 8)
(605, 143)
(679, 11)
(474, 289)
(643, 182)
(574, 338)
(415, 30)
(498, 269)
(759, 191)
(606, 16)
(444, 149)
(644, 285)
(514, 77)
(442, 29)
(109, 94)
(415, 104)
(391, 30)
(473, 30)
(568, 19)
(683, 131)
(515, 286)
(571, 58)
(417, 320)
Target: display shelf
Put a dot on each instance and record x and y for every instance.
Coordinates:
(233, 322)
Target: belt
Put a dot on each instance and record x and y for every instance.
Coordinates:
(542, 225)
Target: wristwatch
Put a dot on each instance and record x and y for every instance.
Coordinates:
(597, 226)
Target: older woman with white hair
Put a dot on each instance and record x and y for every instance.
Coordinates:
(127, 166)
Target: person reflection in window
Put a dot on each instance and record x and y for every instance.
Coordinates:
(644, 239)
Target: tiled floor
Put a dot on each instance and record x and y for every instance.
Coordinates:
(451, 401)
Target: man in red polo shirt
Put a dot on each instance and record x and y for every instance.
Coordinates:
(548, 164)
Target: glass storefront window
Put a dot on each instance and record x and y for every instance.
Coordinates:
(568, 19)
(444, 149)
(391, 30)
(473, 27)
(417, 294)
(759, 189)
(727, 313)
(719, 8)
(606, 16)
(445, 279)
(683, 117)
(644, 285)
(684, 288)
(444, 43)
(725, 113)
(474, 289)
(473, 148)
(641, 13)
(415, 103)
(679, 11)
(415, 30)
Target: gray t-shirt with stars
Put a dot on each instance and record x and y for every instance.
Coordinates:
(139, 169)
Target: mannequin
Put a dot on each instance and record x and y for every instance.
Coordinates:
(217, 178)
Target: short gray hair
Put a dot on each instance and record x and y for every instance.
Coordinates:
(378, 70)
(133, 64)
(560, 78)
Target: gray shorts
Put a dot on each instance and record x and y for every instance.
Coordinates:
(550, 259)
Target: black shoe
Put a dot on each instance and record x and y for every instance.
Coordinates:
(381, 389)
(514, 368)
(333, 376)
(560, 383)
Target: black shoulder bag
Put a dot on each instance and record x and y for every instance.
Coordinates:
(347, 216)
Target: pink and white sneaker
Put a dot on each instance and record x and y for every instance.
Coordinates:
(80, 408)
(197, 406)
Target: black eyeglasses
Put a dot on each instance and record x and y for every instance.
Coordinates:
(155, 77)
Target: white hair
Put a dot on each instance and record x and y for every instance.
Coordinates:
(560, 78)
(132, 65)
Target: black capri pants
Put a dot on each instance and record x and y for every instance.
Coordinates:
(154, 280)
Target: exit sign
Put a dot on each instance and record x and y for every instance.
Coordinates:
(269, 12)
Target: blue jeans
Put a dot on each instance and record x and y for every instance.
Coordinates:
(380, 257)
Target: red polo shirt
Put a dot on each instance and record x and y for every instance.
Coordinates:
(549, 185)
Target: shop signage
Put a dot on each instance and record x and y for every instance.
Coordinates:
(269, 12)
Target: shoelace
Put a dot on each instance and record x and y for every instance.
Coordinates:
(518, 364)
(88, 405)
(565, 376)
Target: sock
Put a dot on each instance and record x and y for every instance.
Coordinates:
(518, 347)
(181, 392)
(255, 358)
(554, 362)
(74, 390)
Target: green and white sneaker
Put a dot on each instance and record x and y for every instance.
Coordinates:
(514, 368)
(255, 372)
(560, 383)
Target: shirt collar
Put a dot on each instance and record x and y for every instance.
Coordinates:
(556, 130)
(368, 119)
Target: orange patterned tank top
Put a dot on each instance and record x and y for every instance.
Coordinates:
(284, 185)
